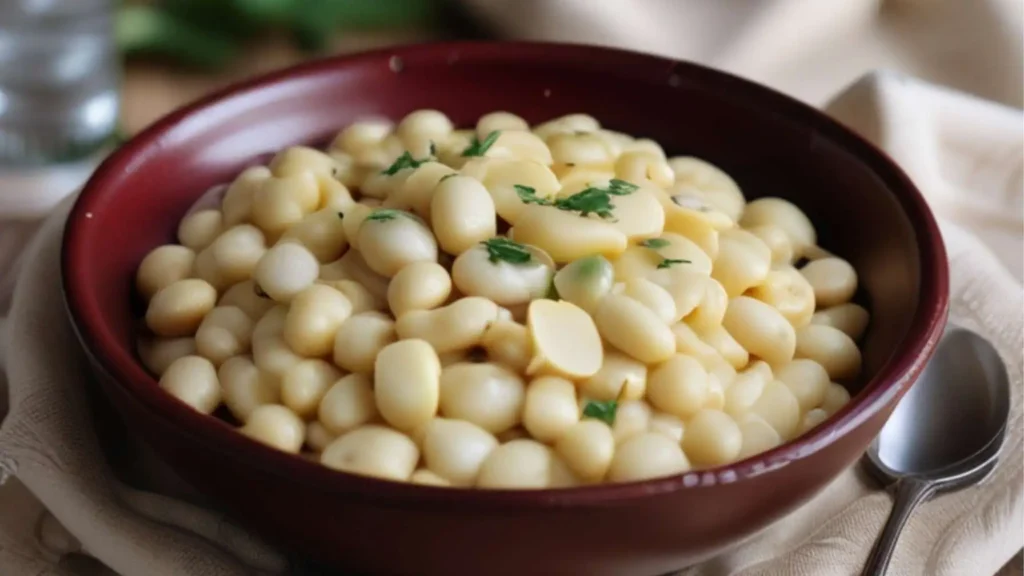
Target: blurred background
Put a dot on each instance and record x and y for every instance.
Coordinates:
(84, 66)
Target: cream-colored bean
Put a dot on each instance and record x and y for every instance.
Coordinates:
(654, 297)
(806, 379)
(335, 197)
(565, 338)
(245, 387)
(565, 236)
(743, 393)
(644, 261)
(462, 214)
(576, 178)
(193, 380)
(520, 145)
(712, 439)
(281, 202)
(236, 205)
(373, 450)
(389, 240)
(852, 319)
(645, 145)
(237, 251)
(785, 215)
(523, 464)
(360, 338)
(722, 341)
(567, 124)
(508, 343)
(585, 281)
(689, 207)
(423, 125)
(197, 230)
(550, 408)
(812, 419)
(635, 329)
(617, 142)
(419, 286)
(318, 438)
(642, 167)
(362, 135)
(474, 273)
(669, 425)
(786, 290)
(831, 348)
(631, 418)
(743, 261)
(243, 296)
(761, 369)
(178, 308)
(159, 353)
(714, 185)
(517, 433)
(710, 312)
(352, 220)
(504, 178)
(322, 233)
(271, 323)
(425, 477)
(286, 270)
(833, 279)
(499, 120)
(716, 388)
(407, 383)
(678, 386)
(620, 377)
(689, 343)
(272, 354)
(488, 395)
(298, 159)
(417, 191)
(348, 404)
(277, 427)
(226, 331)
(779, 408)
(456, 449)
(687, 288)
(457, 326)
(587, 448)
(836, 396)
(647, 455)
(579, 148)
(361, 299)
(304, 385)
(761, 329)
(162, 267)
(639, 215)
(314, 318)
(758, 436)
(777, 241)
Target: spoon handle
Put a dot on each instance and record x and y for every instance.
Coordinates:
(909, 493)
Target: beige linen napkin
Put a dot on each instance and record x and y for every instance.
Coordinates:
(47, 438)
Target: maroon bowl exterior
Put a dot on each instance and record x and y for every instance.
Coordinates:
(864, 207)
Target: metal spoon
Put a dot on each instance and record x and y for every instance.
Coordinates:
(944, 435)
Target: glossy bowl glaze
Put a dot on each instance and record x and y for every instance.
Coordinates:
(864, 208)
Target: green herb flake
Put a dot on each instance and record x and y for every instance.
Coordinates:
(621, 187)
(433, 149)
(478, 147)
(655, 243)
(404, 161)
(669, 262)
(587, 202)
(528, 195)
(605, 411)
(505, 250)
(384, 215)
(341, 215)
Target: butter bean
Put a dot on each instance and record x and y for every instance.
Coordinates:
(635, 329)
(457, 326)
(407, 383)
(179, 308)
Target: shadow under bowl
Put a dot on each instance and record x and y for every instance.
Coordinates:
(863, 206)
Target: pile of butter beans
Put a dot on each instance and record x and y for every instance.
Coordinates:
(506, 307)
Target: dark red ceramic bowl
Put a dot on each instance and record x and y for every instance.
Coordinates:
(864, 207)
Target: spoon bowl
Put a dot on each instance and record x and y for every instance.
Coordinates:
(945, 434)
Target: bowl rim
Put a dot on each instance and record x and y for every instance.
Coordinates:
(135, 384)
